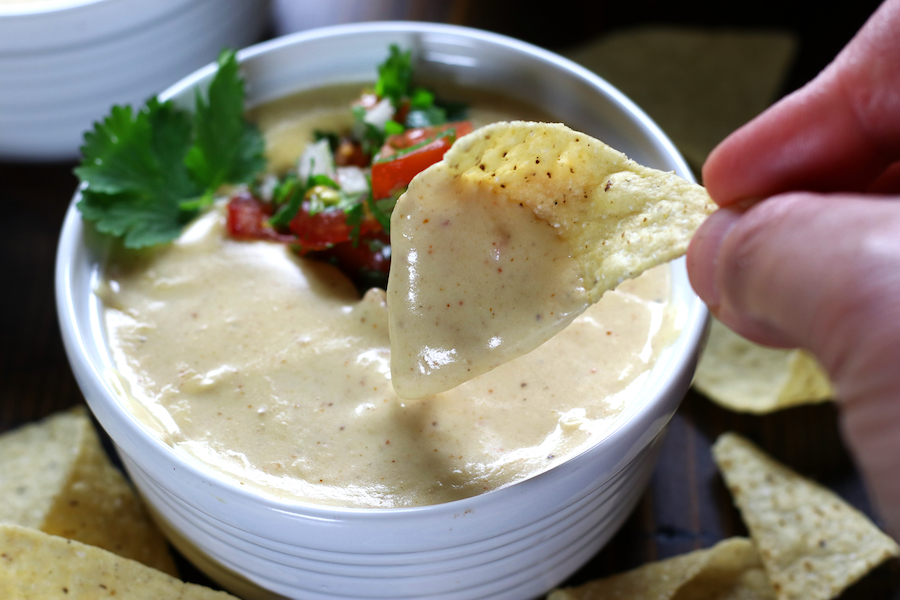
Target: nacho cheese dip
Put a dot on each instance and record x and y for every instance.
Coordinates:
(271, 370)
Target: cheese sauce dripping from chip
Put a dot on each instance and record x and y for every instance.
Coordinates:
(516, 232)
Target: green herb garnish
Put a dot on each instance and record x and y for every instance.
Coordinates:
(147, 173)
(333, 139)
(394, 76)
(371, 138)
(392, 127)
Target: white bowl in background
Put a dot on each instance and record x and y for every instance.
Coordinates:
(63, 63)
(513, 543)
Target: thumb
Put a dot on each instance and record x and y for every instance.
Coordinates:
(820, 272)
(838, 133)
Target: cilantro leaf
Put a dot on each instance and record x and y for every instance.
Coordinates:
(394, 75)
(145, 174)
(371, 138)
(227, 149)
(322, 180)
(455, 111)
(133, 168)
(421, 98)
(290, 194)
(333, 139)
(288, 211)
(392, 127)
(355, 216)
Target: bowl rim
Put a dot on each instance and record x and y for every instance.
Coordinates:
(644, 424)
(39, 7)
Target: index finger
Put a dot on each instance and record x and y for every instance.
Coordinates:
(838, 133)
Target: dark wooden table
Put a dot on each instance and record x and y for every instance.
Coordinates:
(686, 506)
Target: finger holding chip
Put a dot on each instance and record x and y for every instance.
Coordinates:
(519, 229)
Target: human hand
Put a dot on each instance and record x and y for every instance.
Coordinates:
(806, 248)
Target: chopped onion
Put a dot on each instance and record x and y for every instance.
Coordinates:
(352, 180)
(317, 159)
(380, 114)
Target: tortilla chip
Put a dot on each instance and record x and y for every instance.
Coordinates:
(699, 85)
(56, 477)
(38, 566)
(812, 543)
(730, 570)
(618, 218)
(35, 461)
(569, 217)
(746, 377)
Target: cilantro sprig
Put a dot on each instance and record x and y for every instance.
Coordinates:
(146, 173)
(421, 107)
(395, 75)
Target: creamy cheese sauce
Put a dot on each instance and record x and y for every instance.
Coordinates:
(270, 370)
(476, 280)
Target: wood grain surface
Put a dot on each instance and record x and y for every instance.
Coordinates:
(686, 506)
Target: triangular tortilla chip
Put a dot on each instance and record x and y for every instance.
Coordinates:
(730, 570)
(812, 543)
(575, 217)
(38, 566)
(699, 85)
(746, 377)
(56, 477)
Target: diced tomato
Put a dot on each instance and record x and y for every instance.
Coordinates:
(248, 218)
(366, 263)
(402, 112)
(389, 175)
(326, 228)
(393, 174)
(411, 137)
(371, 253)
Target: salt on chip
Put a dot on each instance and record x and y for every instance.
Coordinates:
(812, 543)
(698, 84)
(730, 570)
(38, 566)
(56, 477)
(607, 217)
(746, 377)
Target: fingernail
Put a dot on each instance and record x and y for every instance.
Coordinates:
(703, 254)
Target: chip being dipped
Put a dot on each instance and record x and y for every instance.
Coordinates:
(514, 233)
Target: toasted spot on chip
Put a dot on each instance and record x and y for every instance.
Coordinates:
(56, 477)
(36, 565)
(746, 377)
(601, 217)
(730, 570)
(812, 543)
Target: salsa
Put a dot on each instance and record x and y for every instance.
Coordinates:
(335, 204)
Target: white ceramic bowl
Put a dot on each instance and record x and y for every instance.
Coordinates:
(63, 63)
(513, 543)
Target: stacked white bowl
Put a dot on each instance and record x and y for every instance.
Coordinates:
(63, 63)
